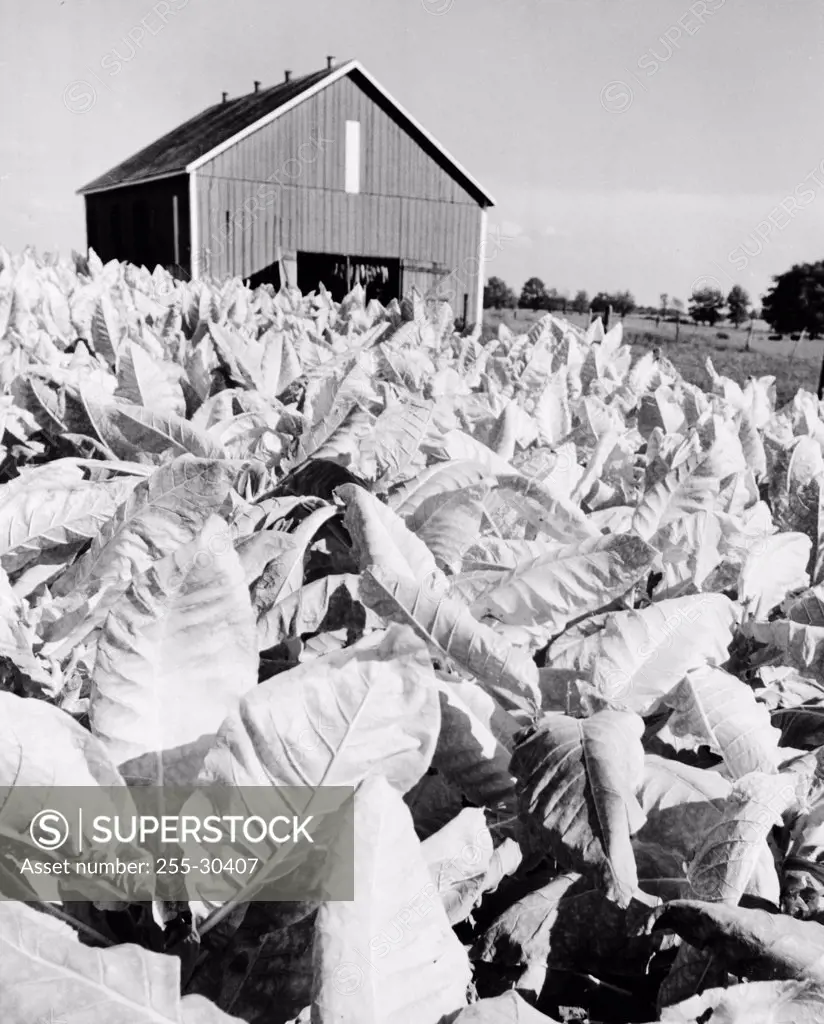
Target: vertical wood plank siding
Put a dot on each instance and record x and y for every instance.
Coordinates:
(283, 186)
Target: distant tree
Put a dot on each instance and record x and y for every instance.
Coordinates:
(548, 299)
(554, 299)
(796, 300)
(580, 304)
(533, 294)
(664, 303)
(677, 305)
(706, 305)
(498, 294)
(738, 302)
(622, 303)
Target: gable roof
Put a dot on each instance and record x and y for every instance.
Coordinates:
(200, 139)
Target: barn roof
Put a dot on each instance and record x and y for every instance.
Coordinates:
(215, 129)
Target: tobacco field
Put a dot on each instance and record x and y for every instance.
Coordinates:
(557, 615)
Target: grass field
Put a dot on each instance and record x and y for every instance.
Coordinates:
(793, 364)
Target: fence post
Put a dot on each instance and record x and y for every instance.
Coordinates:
(801, 338)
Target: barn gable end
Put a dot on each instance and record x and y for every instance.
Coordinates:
(276, 196)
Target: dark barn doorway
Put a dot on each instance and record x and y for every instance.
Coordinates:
(269, 275)
(339, 274)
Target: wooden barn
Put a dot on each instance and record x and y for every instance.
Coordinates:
(321, 178)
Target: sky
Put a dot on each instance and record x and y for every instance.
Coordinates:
(648, 145)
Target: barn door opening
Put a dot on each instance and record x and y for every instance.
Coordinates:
(268, 275)
(141, 234)
(339, 274)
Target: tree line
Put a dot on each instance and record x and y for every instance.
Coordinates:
(706, 305)
(794, 303)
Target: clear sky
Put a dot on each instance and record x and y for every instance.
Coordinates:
(636, 144)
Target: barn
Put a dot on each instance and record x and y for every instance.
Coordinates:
(320, 178)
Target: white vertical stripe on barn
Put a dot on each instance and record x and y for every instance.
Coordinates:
(480, 276)
(194, 234)
(353, 157)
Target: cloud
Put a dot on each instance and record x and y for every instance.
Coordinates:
(513, 233)
(511, 229)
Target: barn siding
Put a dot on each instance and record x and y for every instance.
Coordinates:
(305, 146)
(147, 231)
(283, 186)
(384, 227)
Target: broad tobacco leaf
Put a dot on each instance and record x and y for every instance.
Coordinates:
(464, 862)
(759, 1002)
(331, 602)
(755, 944)
(44, 516)
(433, 802)
(714, 708)
(178, 651)
(475, 744)
(47, 974)
(17, 636)
(637, 657)
(775, 567)
(509, 1008)
(577, 780)
(446, 530)
(802, 882)
(161, 514)
(568, 581)
(380, 536)
(451, 629)
(550, 929)
(399, 431)
(40, 745)
(143, 381)
(729, 853)
(261, 967)
(724, 867)
(803, 725)
(680, 801)
(545, 507)
(683, 805)
(688, 488)
(371, 707)
(283, 574)
(130, 430)
(421, 977)
(429, 489)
